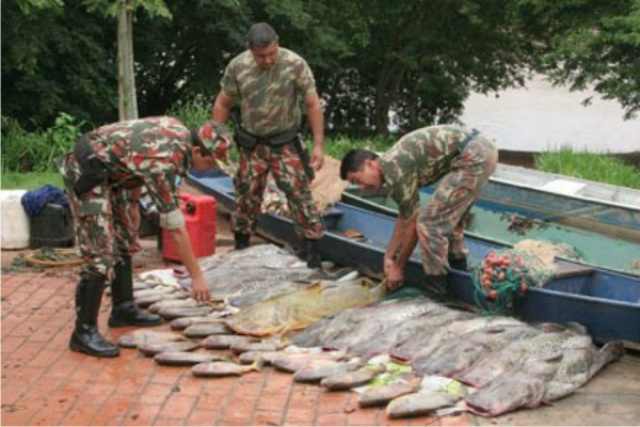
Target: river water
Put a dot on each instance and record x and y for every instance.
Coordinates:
(541, 117)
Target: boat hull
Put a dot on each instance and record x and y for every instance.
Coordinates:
(490, 220)
(606, 303)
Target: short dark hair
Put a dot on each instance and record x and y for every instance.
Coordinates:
(261, 35)
(354, 160)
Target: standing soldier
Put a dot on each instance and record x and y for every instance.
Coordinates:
(103, 176)
(271, 82)
(462, 160)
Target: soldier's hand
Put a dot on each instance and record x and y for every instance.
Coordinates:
(317, 158)
(394, 276)
(200, 290)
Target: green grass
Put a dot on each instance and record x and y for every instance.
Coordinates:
(591, 166)
(30, 180)
(338, 146)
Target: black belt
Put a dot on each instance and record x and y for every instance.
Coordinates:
(470, 137)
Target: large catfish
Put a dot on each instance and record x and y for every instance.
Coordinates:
(544, 379)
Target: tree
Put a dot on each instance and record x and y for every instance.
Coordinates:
(124, 10)
(588, 43)
(51, 64)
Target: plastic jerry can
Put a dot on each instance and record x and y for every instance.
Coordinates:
(200, 220)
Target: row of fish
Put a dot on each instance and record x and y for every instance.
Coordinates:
(265, 295)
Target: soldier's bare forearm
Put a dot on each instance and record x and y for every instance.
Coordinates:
(182, 244)
(408, 241)
(221, 108)
(316, 120)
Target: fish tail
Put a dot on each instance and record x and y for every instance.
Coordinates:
(257, 364)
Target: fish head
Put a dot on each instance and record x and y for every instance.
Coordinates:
(484, 371)
(505, 394)
(457, 360)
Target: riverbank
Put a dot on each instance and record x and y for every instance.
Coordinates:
(525, 159)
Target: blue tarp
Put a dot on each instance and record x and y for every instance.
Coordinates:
(35, 201)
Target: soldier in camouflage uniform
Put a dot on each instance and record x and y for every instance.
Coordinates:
(462, 160)
(103, 176)
(270, 83)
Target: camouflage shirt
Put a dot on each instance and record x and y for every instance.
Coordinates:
(151, 151)
(269, 99)
(419, 159)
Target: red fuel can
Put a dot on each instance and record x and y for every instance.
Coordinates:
(200, 220)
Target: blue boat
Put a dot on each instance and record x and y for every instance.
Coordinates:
(606, 303)
(588, 205)
(506, 222)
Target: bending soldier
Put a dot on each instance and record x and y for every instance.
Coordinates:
(104, 176)
(462, 161)
(270, 83)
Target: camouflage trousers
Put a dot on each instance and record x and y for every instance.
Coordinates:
(284, 163)
(442, 220)
(101, 221)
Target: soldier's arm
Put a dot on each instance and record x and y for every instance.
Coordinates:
(399, 250)
(222, 107)
(316, 120)
(182, 245)
(162, 189)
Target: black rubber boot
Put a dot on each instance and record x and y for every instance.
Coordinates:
(241, 240)
(125, 312)
(312, 253)
(458, 263)
(85, 337)
(435, 287)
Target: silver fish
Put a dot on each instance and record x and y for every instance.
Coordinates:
(221, 342)
(184, 322)
(347, 380)
(152, 349)
(149, 300)
(185, 358)
(240, 347)
(421, 403)
(383, 394)
(292, 362)
(185, 302)
(249, 357)
(224, 369)
(317, 370)
(170, 313)
(203, 330)
(140, 337)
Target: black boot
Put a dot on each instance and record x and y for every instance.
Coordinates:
(458, 263)
(125, 312)
(312, 253)
(435, 287)
(85, 337)
(241, 240)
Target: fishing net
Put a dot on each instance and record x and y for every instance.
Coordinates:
(504, 275)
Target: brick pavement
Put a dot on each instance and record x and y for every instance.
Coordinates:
(44, 383)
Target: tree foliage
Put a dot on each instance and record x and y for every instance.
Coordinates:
(57, 59)
(419, 59)
(588, 43)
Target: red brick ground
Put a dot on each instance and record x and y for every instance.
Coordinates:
(44, 383)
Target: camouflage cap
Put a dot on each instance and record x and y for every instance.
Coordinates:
(214, 138)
